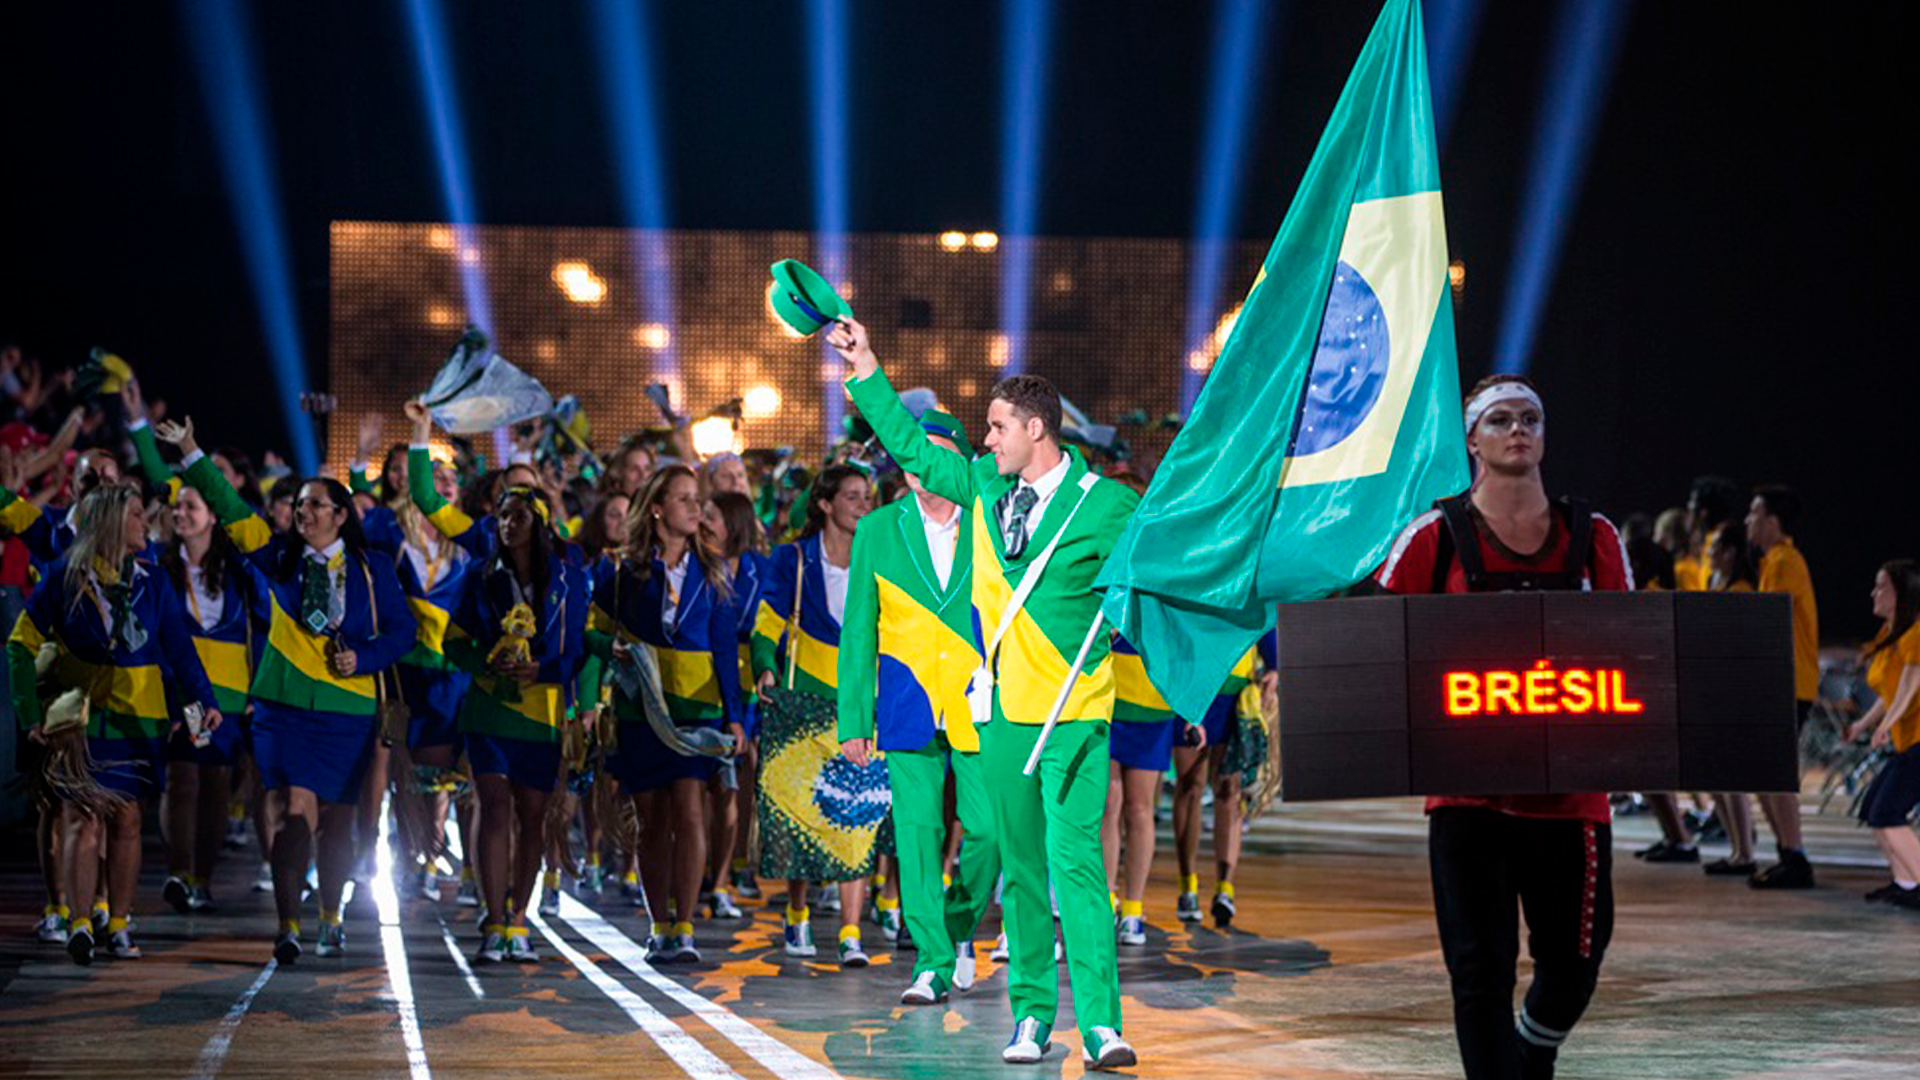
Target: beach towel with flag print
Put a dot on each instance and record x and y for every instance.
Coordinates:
(1332, 414)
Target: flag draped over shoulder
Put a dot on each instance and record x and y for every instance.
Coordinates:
(1332, 415)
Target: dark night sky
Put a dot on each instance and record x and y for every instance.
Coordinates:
(1716, 307)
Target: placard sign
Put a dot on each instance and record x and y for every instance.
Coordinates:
(1548, 692)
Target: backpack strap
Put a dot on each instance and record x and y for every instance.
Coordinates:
(1458, 539)
(1579, 540)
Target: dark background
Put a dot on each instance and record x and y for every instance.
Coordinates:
(1721, 303)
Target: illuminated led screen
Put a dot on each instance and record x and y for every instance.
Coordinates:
(570, 308)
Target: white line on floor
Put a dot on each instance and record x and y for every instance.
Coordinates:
(215, 1052)
(779, 1058)
(460, 960)
(394, 944)
(696, 1060)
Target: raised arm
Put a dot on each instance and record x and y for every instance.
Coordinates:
(250, 533)
(947, 473)
(453, 522)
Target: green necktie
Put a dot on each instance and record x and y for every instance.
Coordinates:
(316, 595)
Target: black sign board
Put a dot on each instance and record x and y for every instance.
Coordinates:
(1537, 693)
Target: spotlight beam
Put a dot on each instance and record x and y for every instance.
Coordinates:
(1586, 45)
(434, 68)
(1456, 25)
(827, 50)
(1028, 30)
(1238, 37)
(626, 67)
(222, 47)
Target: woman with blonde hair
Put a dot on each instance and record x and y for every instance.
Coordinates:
(670, 596)
(119, 635)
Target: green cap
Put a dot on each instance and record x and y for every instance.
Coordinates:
(935, 422)
(803, 299)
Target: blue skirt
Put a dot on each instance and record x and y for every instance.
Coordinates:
(1143, 744)
(524, 762)
(325, 752)
(135, 766)
(643, 763)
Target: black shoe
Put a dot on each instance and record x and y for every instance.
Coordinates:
(80, 945)
(1729, 868)
(1906, 898)
(1884, 894)
(1707, 828)
(177, 895)
(1793, 871)
(1667, 851)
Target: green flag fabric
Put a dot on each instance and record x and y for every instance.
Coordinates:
(1332, 414)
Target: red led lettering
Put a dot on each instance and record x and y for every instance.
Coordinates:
(1539, 691)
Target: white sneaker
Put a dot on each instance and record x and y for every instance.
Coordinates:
(1187, 907)
(1028, 1045)
(1113, 1051)
(680, 949)
(799, 940)
(890, 923)
(999, 953)
(852, 955)
(52, 930)
(723, 906)
(100, 916)
(469, 894)
(430, 884)
(1133, 930)
(549, 903)
(199, 898)
(121, 946)
(333, 940)
(827, 899)
(520, 949)
(926, 990)
(176, 892)
(964, 966)
(264, 883)
(494, 949)
(1059, 951)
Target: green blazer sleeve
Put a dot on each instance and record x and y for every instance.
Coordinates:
(148, 451)
(358, 483)
(946, 473)
(249, 532)
(858, 667)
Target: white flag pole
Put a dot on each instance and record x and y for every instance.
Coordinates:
(1066, 689)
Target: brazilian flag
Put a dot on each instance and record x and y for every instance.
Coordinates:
(820, 815)
(1332, 415)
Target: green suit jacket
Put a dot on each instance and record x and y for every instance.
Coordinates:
(906, 644)
(1033, 659)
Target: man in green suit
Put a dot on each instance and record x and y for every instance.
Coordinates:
(1033, 499)
(908, 633)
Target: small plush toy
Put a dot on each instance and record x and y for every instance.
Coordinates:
(515, 646)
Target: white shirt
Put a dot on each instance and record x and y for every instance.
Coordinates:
(336, 578)
(837, 578)
(206, 607)
(670, 604)
(1044, 487)
(941, 540)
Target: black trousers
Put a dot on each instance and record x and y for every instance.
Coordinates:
(1487, 868)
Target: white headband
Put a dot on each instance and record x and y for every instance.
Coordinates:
(1498, 392)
